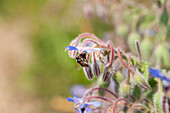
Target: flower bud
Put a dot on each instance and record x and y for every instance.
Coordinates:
(146, 47)
(122, 31)
(119, 77)
(88, 72)
(125, 89)
(96, 69)
(95, 65)
(146, 70)
(158, 100)
(88, 10)
(138, 79)
(161, 55)
(131, 41)
(101, 12)
(108, 72)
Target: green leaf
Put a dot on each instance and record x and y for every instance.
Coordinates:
(168, 32)
(164, 18)
(137, 93)
(152, 83)
(104, 85)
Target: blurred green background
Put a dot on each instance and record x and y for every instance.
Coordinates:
(35, 73)
(35, 70)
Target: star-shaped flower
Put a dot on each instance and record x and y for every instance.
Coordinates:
(158, 74)
(83, 49)
(83, 107)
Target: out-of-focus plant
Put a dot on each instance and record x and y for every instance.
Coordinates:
(133, 85)
(138, 86)
(147, 22)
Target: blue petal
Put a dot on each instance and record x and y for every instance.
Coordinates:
(79, 111)
(96, 104)
(77, 98)
(81, 106)
(88, 110)
(70, 99)
(92, 49)
(85, 105)
(71, 48)
(157, 73)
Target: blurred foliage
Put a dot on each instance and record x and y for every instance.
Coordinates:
(53, 26)
(51, 72)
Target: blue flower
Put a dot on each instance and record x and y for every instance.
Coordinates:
(71, 48)
(84, 49)
(158, 74)
(82, 107)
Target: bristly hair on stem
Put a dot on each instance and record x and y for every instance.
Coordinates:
(97, 97)
(129, 64)
(119, 55)
(94, 41)
(88, 35)
(120, 99)
(137, 105)
(139, 51)
(112, 52)
(104, 89)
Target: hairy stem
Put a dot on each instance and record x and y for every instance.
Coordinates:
(135, 106)
(121, 99)
(139, 52)
(99, 88)
(129, 64)
(88, 35)
(119, 55)
(97, 97)
(94, 41)
(112, 52)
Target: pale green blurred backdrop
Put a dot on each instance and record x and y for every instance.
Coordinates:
(35, 72)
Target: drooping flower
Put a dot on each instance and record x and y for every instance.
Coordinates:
(108, 72)
(81, 107)
(88, 72)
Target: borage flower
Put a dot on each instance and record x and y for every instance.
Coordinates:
(83, 107)
(83, 49)
(158, 74)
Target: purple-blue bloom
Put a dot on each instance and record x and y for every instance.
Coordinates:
(84, 49)
(82, 107)
(78, 89)
(71, 48)
(158, 74)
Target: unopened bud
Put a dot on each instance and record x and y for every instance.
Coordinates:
(125, 89)
(88, 10)
(108, 72)
(146, 47)
(96, 69)
(138, 79)
(102, 12)
(131, 41)
(158, 100)
(88, 72)
(119, 77)
(162, 55)
(122, 31)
